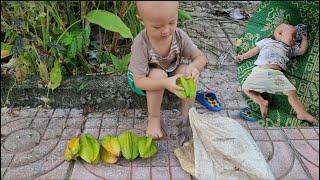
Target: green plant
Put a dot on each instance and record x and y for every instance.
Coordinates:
(89, 149)
(72, 150)
(189, 87)
(120, 66)
(83, 85)
(110, 149)
(129, 144)
(183, 15)
(147, 148)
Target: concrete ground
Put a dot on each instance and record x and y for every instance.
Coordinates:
(33, 140)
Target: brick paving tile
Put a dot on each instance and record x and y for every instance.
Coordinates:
(306, 151)
(282, 159)
(61, 112)
(276, 134)
(309, 133)
(296, 172)
(79, 172)
(59, 172)
(37, 152)
(160, 173)
(141, 173)
(177, 173)
(313, 170)
(293, 133)
(260, 135)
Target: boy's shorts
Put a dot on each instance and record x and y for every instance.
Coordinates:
(267, 80)
(134, 87)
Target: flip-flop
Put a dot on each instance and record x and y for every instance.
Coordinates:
(209, 100)
(246, 114)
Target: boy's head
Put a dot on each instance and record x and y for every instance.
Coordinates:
(159, 17)
(285, 33)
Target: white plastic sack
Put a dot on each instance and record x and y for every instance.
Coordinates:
(223, 149)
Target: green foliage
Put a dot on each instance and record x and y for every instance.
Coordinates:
(120, 65)
(129, 145)
(83, 85)
(147, 148)
(5, 46)
(89, 148)
(55, 76)
(109, 21)
(189, 87)
(111, 149)
(72, 150)
(183, 15)
(38, 34)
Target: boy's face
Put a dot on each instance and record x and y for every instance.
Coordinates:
(286, 33)
(159, 18)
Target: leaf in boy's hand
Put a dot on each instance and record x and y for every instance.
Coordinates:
(189, 86)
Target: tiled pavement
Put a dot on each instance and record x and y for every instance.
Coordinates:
(33, 140)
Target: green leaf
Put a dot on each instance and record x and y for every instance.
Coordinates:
(147, 148)
(111, 144)
(129, 145)
(67, 154)
(121, 64)
(72, 50)
(43, 72)
(183, 15)
(86, 34)
(5, 46)
(189, 86)
(72, 149)
(109, 21)
(55, 76)
(83, 86)
(67, 39)
(79, 43)
(89, 148)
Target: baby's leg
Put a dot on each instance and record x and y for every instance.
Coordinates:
(154, 100)
(296, 104)
(257, 98)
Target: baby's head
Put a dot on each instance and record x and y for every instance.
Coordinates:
(285, 33)
(159, 17)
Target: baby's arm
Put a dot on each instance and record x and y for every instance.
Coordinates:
(197, 64)
(304, 45)
(252, 52)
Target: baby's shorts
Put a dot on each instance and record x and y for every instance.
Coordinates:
(267, 80)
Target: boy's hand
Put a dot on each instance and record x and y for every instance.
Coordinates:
(239, 58)
(171, 84)
(192, 72)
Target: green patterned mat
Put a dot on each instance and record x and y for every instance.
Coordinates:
(303, 71)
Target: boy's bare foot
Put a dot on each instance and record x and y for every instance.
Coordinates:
(307, 117)
(154, 129)
(264, 108)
